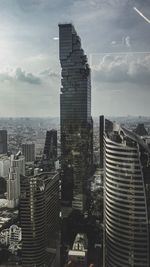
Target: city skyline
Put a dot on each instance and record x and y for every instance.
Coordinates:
(30, 72)
(74, 192)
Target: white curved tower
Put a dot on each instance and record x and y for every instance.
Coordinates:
(127, 183)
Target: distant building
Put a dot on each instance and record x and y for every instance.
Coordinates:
(28, 150)
(140, 130)
(11, 238)
(2, 185)
(39, 211)
(78, 255)
(146, 139)
(7, 216)
(18, 161)
(13, 189)
(3, 142)
(17, 168)
(126, 198)
(50, 150)
(4, 165)
(101, 140)
(75, 119)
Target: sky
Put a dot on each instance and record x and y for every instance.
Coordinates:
(114, 36)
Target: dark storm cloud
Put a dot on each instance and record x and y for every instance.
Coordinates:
(118, 69)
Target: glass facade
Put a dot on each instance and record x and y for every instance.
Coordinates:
(39, 214)
(32, 211)
(50, 148)
(76, 121)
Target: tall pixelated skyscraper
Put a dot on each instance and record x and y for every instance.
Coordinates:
(126, 198)
(3, 141)
(75, 116)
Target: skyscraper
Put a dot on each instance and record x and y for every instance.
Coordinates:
(50, 150)
(28, 150)
(39, 213)
(101, 140)
(18, 161)
(17, 168)
(126, 198)
(140, 130)
(32, 213)
(13, 188)
(3, 141)
(4, 165)
(76, 121)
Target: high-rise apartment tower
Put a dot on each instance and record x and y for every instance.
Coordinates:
(39, 213)
(126, 198)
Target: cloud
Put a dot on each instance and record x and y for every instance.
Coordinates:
(128, 41)
(124, 42)
(117, 69)
(5, 77)
(50, 73)
(27, 31)
(26, 77)
(19, 75)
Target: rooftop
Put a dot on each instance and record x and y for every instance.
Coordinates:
(6, 215)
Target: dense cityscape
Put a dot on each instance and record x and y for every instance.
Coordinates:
(74, 191)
